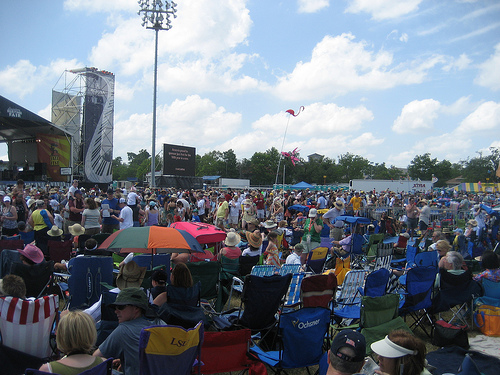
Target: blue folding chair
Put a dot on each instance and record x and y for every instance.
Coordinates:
(376, 283)
(86, 275)
(152, 261)
(301, 339)
(237, 284)
(418, 296)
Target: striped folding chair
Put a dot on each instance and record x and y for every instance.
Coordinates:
(26, 325)
(289, 268)
(293, 294)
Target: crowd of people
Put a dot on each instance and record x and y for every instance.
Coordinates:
(281, 226)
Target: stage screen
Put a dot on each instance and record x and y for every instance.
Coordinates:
(178, 160)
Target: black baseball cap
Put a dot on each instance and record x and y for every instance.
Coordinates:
(349, 338)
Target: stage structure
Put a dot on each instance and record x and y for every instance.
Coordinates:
(83, 104)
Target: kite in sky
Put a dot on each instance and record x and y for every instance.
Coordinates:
(291, 111)
(292, 154)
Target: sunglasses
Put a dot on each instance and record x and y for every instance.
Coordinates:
(121, 307)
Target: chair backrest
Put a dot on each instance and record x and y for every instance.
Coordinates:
(384, 256)
(411, 252)
(262, 297)
(208, 274)
(373, 242)
(145, 260)
(454, 290)
(427, 259)
(262, 270)
(419, 286)
(491, 288)
(318, 290)
(169, 349)
(353, 280)
(289, 268)
(303, 332)
(376, 282)
(229, 266)
(27, 237)
(11, 244)
(81, 241)
(225, 351)
(316, 259)
(26, 325)
(246, 264)
(184, 296)
(38, 277)
(294, 292)
(100, 237)
(59, 250)
(378, 310)
(86, 275)
(7, 257)
(357, 244)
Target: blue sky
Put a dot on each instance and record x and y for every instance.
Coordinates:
(384, 79)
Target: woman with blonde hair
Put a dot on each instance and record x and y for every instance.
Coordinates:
(75, 337)
(91, 217)
(400, 353)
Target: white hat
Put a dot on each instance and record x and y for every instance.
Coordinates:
(232, 239)
(6, 198)
(122, 200)
(388, 349)
(313, 212)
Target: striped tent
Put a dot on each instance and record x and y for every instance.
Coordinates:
(479, 187)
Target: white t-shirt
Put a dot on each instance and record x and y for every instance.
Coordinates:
(201, 206)
(127, 215)
(293, 258)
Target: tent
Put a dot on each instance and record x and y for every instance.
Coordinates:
(301, 185)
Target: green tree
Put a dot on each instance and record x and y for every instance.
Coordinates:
(230, 164)
(263, 167)
(422, 167)
(352, 167)
(482, 168)
(211, 164)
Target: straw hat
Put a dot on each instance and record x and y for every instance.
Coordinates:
(254, 239)
(55, 231)
(232, 239)
(339, 205)
(130, 275)
(76, 229)
(32, 252)
(269, 224)
(472, 222)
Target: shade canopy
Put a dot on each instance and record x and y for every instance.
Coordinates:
(301, 185)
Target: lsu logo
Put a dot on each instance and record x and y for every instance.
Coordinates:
(178, 343)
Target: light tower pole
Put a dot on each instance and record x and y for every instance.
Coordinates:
(156, 16)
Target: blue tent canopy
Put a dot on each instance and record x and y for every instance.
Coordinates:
(301, 185)
(353, 219)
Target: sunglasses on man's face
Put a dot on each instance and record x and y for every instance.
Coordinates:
(121, 307)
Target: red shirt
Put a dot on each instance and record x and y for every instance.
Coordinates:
(259, 203)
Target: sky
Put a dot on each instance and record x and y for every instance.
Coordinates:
(384, 79)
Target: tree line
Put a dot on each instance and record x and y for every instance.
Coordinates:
(261, 168)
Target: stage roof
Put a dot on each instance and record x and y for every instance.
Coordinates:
(17, 123)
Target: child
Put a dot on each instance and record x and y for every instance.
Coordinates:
(195, 217)
(271, 252)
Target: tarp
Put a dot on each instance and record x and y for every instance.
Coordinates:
(301, 185)
(484, 187)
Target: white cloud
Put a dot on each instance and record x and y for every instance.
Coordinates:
(486, 118)
(404, 38)
(462, 105)
(339, 65)
(46, 112)
(24, 78)
(383, 9)
(489, 74)
(417, 116)
(461, 63)
(312, 6)
(177, 123)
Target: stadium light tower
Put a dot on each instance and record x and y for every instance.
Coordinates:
(156, 16)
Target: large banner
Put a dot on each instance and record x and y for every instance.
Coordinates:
(97, 129)
(55, 151)
(178, 160)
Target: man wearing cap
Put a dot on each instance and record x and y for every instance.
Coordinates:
(347, 353)
(332, 214)
(312, 229)
(123, 343)
(110, 224)
(294, 258)
(126, 217)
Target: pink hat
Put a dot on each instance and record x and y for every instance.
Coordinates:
(32, 252)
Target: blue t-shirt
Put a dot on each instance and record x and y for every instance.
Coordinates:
(113, 205)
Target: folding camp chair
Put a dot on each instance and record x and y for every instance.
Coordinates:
(37, 277)
(208, 274)
(379, 316)
(316, 260)
(491, 288)
(27, 237)
(104, 368)
(349, 301)
(26, 325)
(342, 266)
(246, 263)
(427, 259)
(289, 268)
(294, 290)
(318, 290)
(373, 242)
(100, 237)
(170, 350)
(86, 275)
(417, 296)
(258, 270)
(376, 283)
(11, 244)
(7, 258)
(384, 256)
(358, 258)
(182, 307)
(227, 351)
(15, 362)
(455, 298)
(59, 250)
(261, 298)
(229, 268)
(152, 261)
(300, 340)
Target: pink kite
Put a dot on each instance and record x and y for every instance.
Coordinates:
(291, 111)
(291, 154)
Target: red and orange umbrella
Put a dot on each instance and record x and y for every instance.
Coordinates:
(147, 239)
